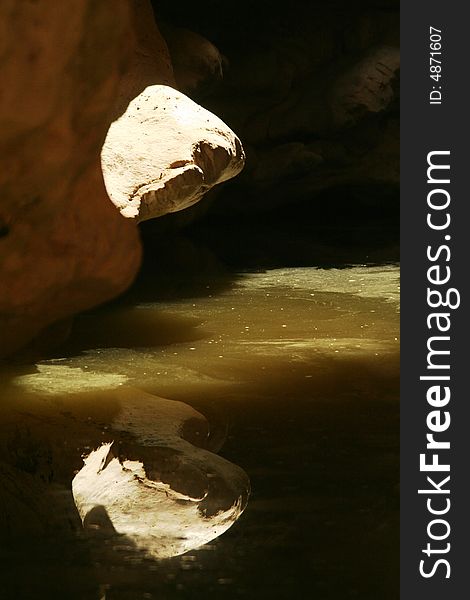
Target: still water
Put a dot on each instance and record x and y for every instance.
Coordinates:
(283, 381)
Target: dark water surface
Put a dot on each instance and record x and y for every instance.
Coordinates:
(297, 372)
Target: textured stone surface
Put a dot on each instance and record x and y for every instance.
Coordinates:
(165, 153)
(64, 247)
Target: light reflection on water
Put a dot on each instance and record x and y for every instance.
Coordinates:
(310, 314)
(297, 373)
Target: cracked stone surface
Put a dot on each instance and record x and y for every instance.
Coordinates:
(165, 153)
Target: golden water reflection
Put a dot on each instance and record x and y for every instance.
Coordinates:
(284, 341)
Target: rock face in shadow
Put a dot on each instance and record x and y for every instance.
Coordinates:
(312, 91)
(197, 64)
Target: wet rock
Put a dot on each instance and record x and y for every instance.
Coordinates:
(165, 153)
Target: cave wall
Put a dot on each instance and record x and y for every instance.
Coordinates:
(311, 88)
(64, 247)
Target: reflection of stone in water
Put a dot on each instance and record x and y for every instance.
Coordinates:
(176, 498)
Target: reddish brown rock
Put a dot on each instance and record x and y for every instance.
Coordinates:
(64, 247)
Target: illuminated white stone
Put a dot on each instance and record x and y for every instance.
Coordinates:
(165, 152)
